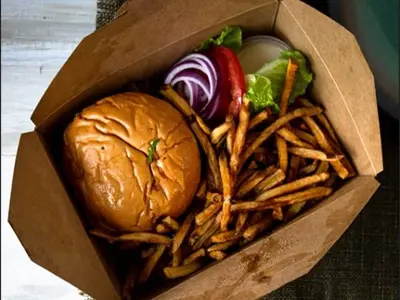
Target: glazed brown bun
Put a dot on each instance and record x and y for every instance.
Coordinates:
(106, 150)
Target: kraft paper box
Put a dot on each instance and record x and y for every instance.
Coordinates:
(145, 39)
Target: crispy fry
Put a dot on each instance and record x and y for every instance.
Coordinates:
(230, 137)
(240, 137)
(182, 232)
(201, 191)
(294, 168)
(227, 190)
(213, 198)
(223, 246)
(208, 233)
(244, 175)
(259, 118)
(171, 223)
(287, 87)
(144, 237)
(250, 233)
(293, 186)
(177, 258)
(151, 263)
(309, 168)
(219, 132)
(195, 255)
(207, 213)
(200, 231)
(162, 228)
(314, 154)
(282, 153)
(323, 119)
(292, 138)
(250, 183)
(203, 125)
(168, 92)
(309, 194)
(282, 121)
(225, 236)
(277, 214)
(181, 271)
(217, 255)
(101, 234)
(305, 136)
(210, 153)
(323, 167)
(241, 220)
(270, 181)
(294, 210)
(339, 167)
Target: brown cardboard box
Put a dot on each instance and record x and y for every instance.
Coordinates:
(144, 40)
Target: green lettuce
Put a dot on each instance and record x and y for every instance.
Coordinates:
(259, 93)
(230, 37)
(275, 71)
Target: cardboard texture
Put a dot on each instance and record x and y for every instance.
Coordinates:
(144, 40)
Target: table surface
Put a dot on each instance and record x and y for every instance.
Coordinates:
(37, 37)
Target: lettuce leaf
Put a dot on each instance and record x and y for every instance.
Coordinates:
(259, 93)
(275, 71)
(230, 37)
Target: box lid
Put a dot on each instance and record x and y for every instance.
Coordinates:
(46, 223)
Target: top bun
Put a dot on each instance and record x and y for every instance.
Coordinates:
(106, 150)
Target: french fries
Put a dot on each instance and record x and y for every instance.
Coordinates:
(277, 214)
(293, 168)
(202, 190)
(227, 190)
(143, 237)
(222, 246)
(292, 138)
(314, 154)
(292, 186)
(217, 255)
(282, 121)
(270, 181)
(294, 210)
(250, 183)
(311, 168)
(177, 258)
(219, 132)
(173, 224)
(225, 236)
(241, 221)
(259, 118)
(162, 228)
(151, 263)
(195, 255)
(181, 271)
(207, 213)
(182, 232)
(230, 138)
(250, 233)
(305, 136)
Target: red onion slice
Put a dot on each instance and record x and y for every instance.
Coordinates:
(195, 78)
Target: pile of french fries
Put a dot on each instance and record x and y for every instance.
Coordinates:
(261, 171)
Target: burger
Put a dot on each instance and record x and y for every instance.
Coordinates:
(131, 159)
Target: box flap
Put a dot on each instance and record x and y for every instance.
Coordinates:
(285, 255)
(46, 223)
(343, 83)
(130, 39)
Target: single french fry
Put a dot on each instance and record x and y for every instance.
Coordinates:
(203, 125)
(259, 118)
(182, 232)
(101, 234)
(282, 153)
(309, 194)
(308, 169)
(323, 119)
(227, 190)
(294, 210)
(250, 183)
(282, 121)
(219, 132)
(151, 263)
(270, 181)
(173, 224)
(208, 233)
(201, 191)
(240, 221)
(162, 228)
(314, 154)
(287, 87)
(209, 151)
(293, 168)
(243, 176)
(177, 258)
(292, 138)
(168, 92)
(200, 231)
(293, 186)
(230, 137)
(181, 271)
(277, 213)
(207, 213)
(213, 197)
(323, 167)
(217, 255)
(225, 236)
(143, 237)
(305, 136)
(322, 141)
(251, 232)
(240, 137)
(195, 255)
(223, 246)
